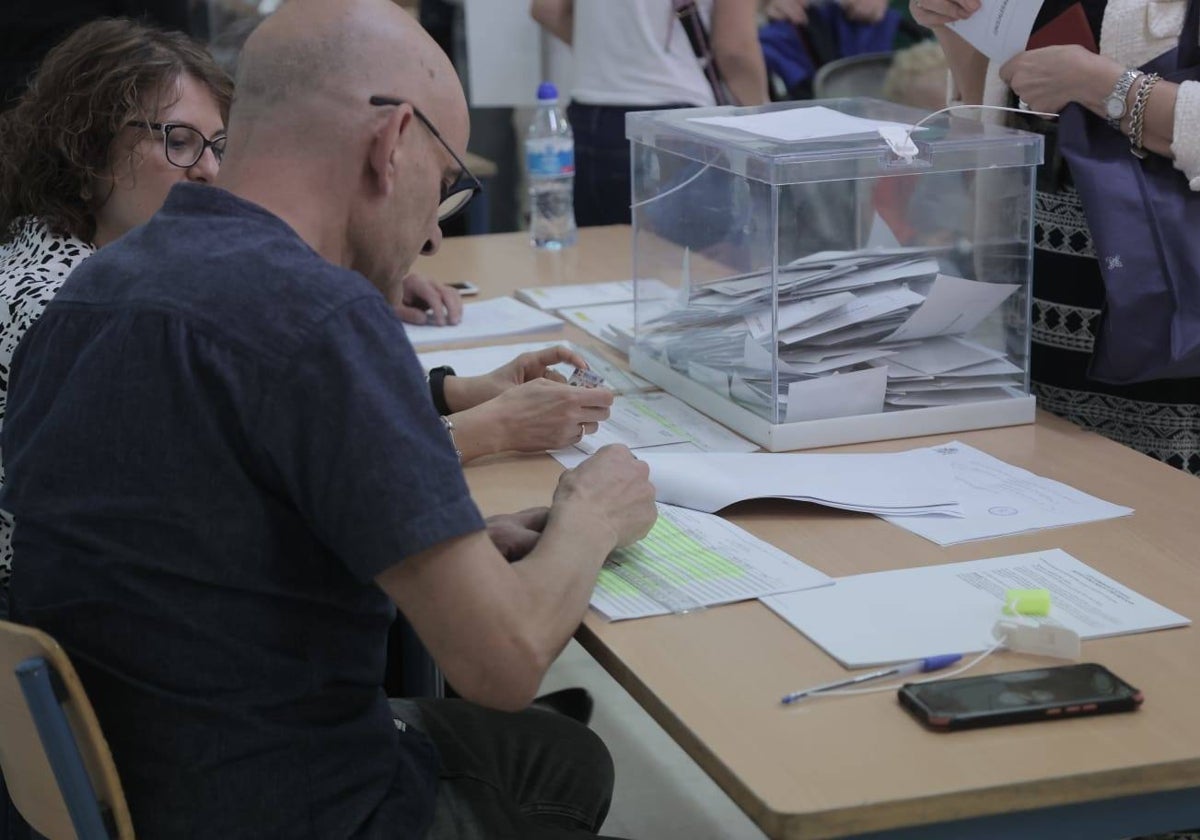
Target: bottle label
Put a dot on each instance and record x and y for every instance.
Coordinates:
(551, 158)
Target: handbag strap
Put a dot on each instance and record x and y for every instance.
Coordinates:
(693, 25)
(1189, 37)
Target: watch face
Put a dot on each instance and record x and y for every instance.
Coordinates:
(1114, 107)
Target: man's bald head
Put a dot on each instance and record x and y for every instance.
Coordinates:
(360, 183)
(332, 55)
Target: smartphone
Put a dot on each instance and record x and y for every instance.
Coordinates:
(1019, 696)
(465, 288)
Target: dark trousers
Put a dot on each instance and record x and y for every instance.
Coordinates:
(533, 775)
(602, 170)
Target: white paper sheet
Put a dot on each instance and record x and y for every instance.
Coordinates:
(837, 395)
(952, 306)
(713, 481)
(814, 122)
(485, 319)
(866, 306)
(999, 499)
(1000, 29)
(592, 294)
(691, 560)
(944, 354)
(791, 315)
(909, 614)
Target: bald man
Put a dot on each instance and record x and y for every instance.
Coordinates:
(227, 474)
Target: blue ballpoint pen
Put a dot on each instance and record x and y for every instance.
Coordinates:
(921, 666)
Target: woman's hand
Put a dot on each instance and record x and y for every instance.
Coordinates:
(931, 13)
(1049, 78)
(531, 417)
(464, 392)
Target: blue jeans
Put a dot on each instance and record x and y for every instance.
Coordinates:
(533, 775)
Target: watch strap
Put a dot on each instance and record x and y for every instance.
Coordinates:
(437, 388)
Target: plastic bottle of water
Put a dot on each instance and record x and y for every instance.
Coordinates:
(550, 155)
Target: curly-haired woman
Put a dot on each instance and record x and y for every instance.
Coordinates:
(117, 114)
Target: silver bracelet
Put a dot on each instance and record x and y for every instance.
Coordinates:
(1137, 115)
(449, 424)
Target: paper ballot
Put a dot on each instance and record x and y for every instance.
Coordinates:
(1000, 29)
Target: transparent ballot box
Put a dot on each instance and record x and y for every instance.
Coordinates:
(818, 273)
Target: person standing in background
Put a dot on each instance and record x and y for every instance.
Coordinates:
(634, 55)
(1159, 418)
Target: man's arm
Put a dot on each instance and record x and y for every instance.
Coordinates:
(737, 51)
(495, 627)
(557, 16)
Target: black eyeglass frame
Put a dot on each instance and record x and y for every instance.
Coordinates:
(167, 128)
(465, 180)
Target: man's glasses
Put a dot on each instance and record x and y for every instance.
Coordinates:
(183, 144)
(466, 186)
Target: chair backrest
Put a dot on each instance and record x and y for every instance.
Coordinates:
(855, 75)
(56, 763)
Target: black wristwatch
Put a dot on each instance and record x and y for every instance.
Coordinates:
(437, 388)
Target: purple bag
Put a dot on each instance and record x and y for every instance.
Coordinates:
(1145, 224)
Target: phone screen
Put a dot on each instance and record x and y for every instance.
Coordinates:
(1037, 694)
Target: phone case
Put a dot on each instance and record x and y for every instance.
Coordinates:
(1019, 697)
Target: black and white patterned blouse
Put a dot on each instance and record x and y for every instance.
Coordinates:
(33, 265)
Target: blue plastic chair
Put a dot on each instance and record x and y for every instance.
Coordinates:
(57, 765)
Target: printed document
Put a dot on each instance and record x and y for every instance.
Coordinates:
(691, 560)
(1000, 29)
(908, 614)
(999, 499)
(485, 319)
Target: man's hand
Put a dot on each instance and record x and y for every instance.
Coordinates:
(515, 534)
(1049, 78)
(865, 11)
(419, 300)
(612, 488)
(464, 392)
(793, 11)
(931, 13)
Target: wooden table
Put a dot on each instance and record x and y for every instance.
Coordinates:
(860, 765)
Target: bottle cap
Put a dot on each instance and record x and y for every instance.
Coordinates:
(547, 90)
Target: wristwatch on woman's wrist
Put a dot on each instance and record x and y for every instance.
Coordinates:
(1115, 105)
(437, 388)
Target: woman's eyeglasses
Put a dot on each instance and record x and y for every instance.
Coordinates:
(183, 144)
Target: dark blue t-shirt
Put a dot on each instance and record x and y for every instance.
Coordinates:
(215, 440)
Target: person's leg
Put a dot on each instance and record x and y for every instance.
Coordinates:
(529, 775)
(601, 164)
